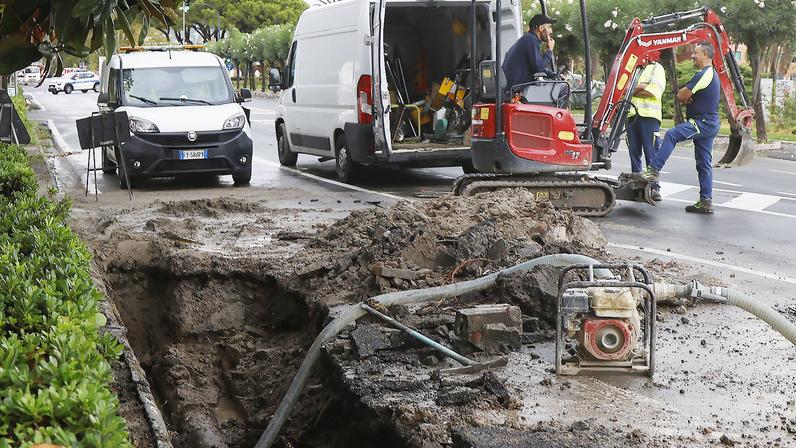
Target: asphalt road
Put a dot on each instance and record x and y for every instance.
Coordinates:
(756, 204)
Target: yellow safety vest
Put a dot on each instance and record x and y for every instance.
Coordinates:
(654, 75)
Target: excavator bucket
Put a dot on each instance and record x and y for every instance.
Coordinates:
(741, 150)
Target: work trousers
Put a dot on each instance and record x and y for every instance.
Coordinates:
(702, 131)
(642, 138)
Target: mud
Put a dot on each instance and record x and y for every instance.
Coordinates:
(221, 297)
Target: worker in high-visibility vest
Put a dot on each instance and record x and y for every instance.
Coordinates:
(644, 120)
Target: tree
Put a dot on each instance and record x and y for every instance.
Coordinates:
(248, 15)
(761, 25)
(34, 29)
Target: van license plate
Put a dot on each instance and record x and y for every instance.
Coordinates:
(193, 155)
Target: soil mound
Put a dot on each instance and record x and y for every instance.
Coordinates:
(416, 245)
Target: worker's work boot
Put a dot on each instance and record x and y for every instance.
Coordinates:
(649, 174)
(703, 206)
(655, 195)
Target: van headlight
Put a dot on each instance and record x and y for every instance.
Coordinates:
(139, 125)
(235, 122)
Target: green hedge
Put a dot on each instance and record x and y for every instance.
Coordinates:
(54, 364)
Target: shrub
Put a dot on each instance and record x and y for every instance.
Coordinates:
(54, 364)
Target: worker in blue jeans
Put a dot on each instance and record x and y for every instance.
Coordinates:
(702, 95)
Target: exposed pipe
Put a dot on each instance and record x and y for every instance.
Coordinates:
(411, 296)
(419, 336)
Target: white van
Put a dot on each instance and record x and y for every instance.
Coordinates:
(402, 49)
(185, 116)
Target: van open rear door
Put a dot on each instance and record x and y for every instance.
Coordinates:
(511, 26)
(381, 95)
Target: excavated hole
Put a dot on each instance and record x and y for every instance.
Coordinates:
(220, 352)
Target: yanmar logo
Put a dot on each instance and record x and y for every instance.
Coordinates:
(662, 41)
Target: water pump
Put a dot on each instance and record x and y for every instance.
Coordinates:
(605, 325)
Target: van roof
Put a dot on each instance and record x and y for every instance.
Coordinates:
(179, 58)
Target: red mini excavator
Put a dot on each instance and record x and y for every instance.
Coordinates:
(535, 142)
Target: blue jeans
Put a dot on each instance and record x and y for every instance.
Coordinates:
(702, 131)
(641, 138)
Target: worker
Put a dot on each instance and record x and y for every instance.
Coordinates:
(701, 95)
(644, 119)
(525, 58)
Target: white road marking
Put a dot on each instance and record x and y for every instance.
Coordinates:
(751, 202)
(682, 158)
(329, 181)
(783, 172)
(786, 193)
(671, 189)
(726, 183)
(717, 264)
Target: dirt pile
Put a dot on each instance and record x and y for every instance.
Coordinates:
(436, 242)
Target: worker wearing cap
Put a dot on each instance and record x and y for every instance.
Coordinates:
(644, 119)
(702, 95)
(525, 58)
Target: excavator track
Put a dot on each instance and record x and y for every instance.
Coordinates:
(581, 194)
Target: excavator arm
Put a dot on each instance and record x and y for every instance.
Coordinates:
(645, 37)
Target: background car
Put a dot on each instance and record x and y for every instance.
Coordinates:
(29, 75)
(83, 81)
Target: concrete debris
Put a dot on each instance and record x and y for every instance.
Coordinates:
(367, 339)
(730, 439)
(490, 328)
(381, 270)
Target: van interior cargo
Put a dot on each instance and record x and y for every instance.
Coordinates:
(427, 60)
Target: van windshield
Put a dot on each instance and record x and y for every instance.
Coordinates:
(175, 86)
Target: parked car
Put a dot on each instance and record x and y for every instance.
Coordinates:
(185, 116)
(344, 51)
(29, 75)
(83, 81)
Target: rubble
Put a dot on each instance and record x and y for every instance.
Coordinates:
(490, 328)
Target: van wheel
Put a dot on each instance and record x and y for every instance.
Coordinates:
(242, 179)
(286, 156)
(347, 169)
(68, 89)
(108, 167)
(96, 87)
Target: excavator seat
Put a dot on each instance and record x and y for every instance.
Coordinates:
(545, 93)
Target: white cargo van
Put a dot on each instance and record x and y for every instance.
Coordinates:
(401, 49)
(185, 116)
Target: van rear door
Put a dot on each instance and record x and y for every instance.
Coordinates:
(381, 95)
(511, 27)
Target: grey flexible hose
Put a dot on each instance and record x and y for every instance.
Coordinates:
(767, 314)
(353, 313)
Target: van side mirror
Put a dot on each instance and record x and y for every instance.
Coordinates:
(275, 80)
(245, 95)
(104, 100)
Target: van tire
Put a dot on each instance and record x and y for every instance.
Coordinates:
(68, 89)
(96, 87)
(286, 156)
(242, 179)
(108, 167)
(347, 169)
